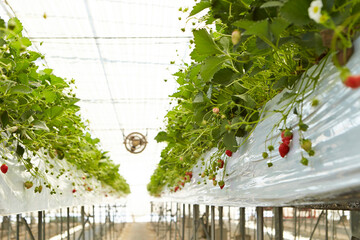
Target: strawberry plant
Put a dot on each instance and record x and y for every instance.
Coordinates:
(244, 54)
(39, 117)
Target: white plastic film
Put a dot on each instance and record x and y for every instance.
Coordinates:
(334, 129)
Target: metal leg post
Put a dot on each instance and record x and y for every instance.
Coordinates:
(83, 221)
(279, 227)
(68, 222)
(221, 222)
(183, 223)
(17, 226)
(40, 222)
(355, 224)
(260, 223)
(195, 220)
(242, 223)
(212, 222)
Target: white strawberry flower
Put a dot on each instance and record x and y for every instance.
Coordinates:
(315, 10)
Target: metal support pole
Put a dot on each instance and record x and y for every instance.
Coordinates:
(221, 223)
(183, 223)
(279, 226)
(189, 210)
(260, 223)
(196, 218)
(40, 222)
(212, 222)
(94, 229)
(207, 213)
(295, 219)
(61, 223)
(242, 223)
(68, 223)
(83, 221)
(170, 221)
(326, 225)
(355, 224)
(17, 226)
(44, 225)
(229, 216)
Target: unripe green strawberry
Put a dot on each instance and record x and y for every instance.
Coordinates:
(311, 153)
(314, 102)
(306, 144)
(221, 184)
(304, 161)
(214, 183)
(269, 164)
(28, 184)
(303, 127)
(235, 37)
(265, 155)
(271, 148)
(196, 154)
(216, 110)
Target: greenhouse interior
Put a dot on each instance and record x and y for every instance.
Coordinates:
(188, 120)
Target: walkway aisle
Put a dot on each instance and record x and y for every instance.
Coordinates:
(137, 231)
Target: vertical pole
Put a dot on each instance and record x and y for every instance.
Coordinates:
(260, 223)
(326, 225)
(355, 224)
(9, 228)
(207, 214)
(83, 222)
(295, 218)
(17, 226)
(74, 221)
(221, 222)
(212, 222)
(229, 216)
(44, 225)
(94, 226)
(68, 222)
(183, 223)
(242, 223)
(61, 224)
(101, 231)
(279, 227)
(170, 221)
(196, 217)
(189, 210)
(40, 222)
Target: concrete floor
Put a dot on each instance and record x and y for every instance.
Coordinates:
(137, 231)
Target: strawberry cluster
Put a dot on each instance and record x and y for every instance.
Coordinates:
(186, 178)
(286, 137)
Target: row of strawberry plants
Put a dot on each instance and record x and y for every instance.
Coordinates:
(39, 118)
(245, 53)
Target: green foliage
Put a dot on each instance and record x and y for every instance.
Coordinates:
(38, 112)
(279, 42)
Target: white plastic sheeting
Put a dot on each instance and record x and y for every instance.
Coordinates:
(334, 128)
(15, 198)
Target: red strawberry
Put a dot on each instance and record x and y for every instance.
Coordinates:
(286, 141)
(84, 177)
(106, 195)
(283, 149)
(4, 168)
(74, 191)
(228, 152)
(189, 174)
(181, 183)
(176, 188)
(221, 163)
(221, 184)
(216, 110)
(352, 81)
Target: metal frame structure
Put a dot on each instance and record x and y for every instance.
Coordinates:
(79, 223)
(263, 223)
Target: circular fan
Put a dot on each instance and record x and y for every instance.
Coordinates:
(135, 142)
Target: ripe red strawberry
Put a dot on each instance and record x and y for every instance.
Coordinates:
(216, 110)
(228, 152)
(221, 163)
(176, 188)
(352, 81)
(4, 168)
(221, 184)
(189, 174)
(106, 195)
(286, 141)
(181, 183)
(283, 149)
(74, 191)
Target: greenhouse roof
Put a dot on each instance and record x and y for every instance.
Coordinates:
(119, 54)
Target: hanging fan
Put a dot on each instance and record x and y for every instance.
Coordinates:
(135, 142)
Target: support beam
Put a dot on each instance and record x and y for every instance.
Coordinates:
(355, 224)
(17, 226)
(68, 223)
(221, 222)
(212, 222)
(83, 221)
(242, 223)
(196, 214)
(40, 222)
(260, 223)
(183, 223)
(279, 226)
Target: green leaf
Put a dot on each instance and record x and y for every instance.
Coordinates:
(20, 89)
(49, 96)
(58, 81)
(230, 141)
(204, 44)
(34, 55)
(223, 76)
(54, 112)
(40, 125)
(4, 119)
(272, 4)
(209, 92)
(243, 23)
(260, 29)
(247, 99)
(296, 11)
(161, 137)
(20, 150)
(211, 66)
(287, 95)
(278, 25)
(199, 98)
(200, 6)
